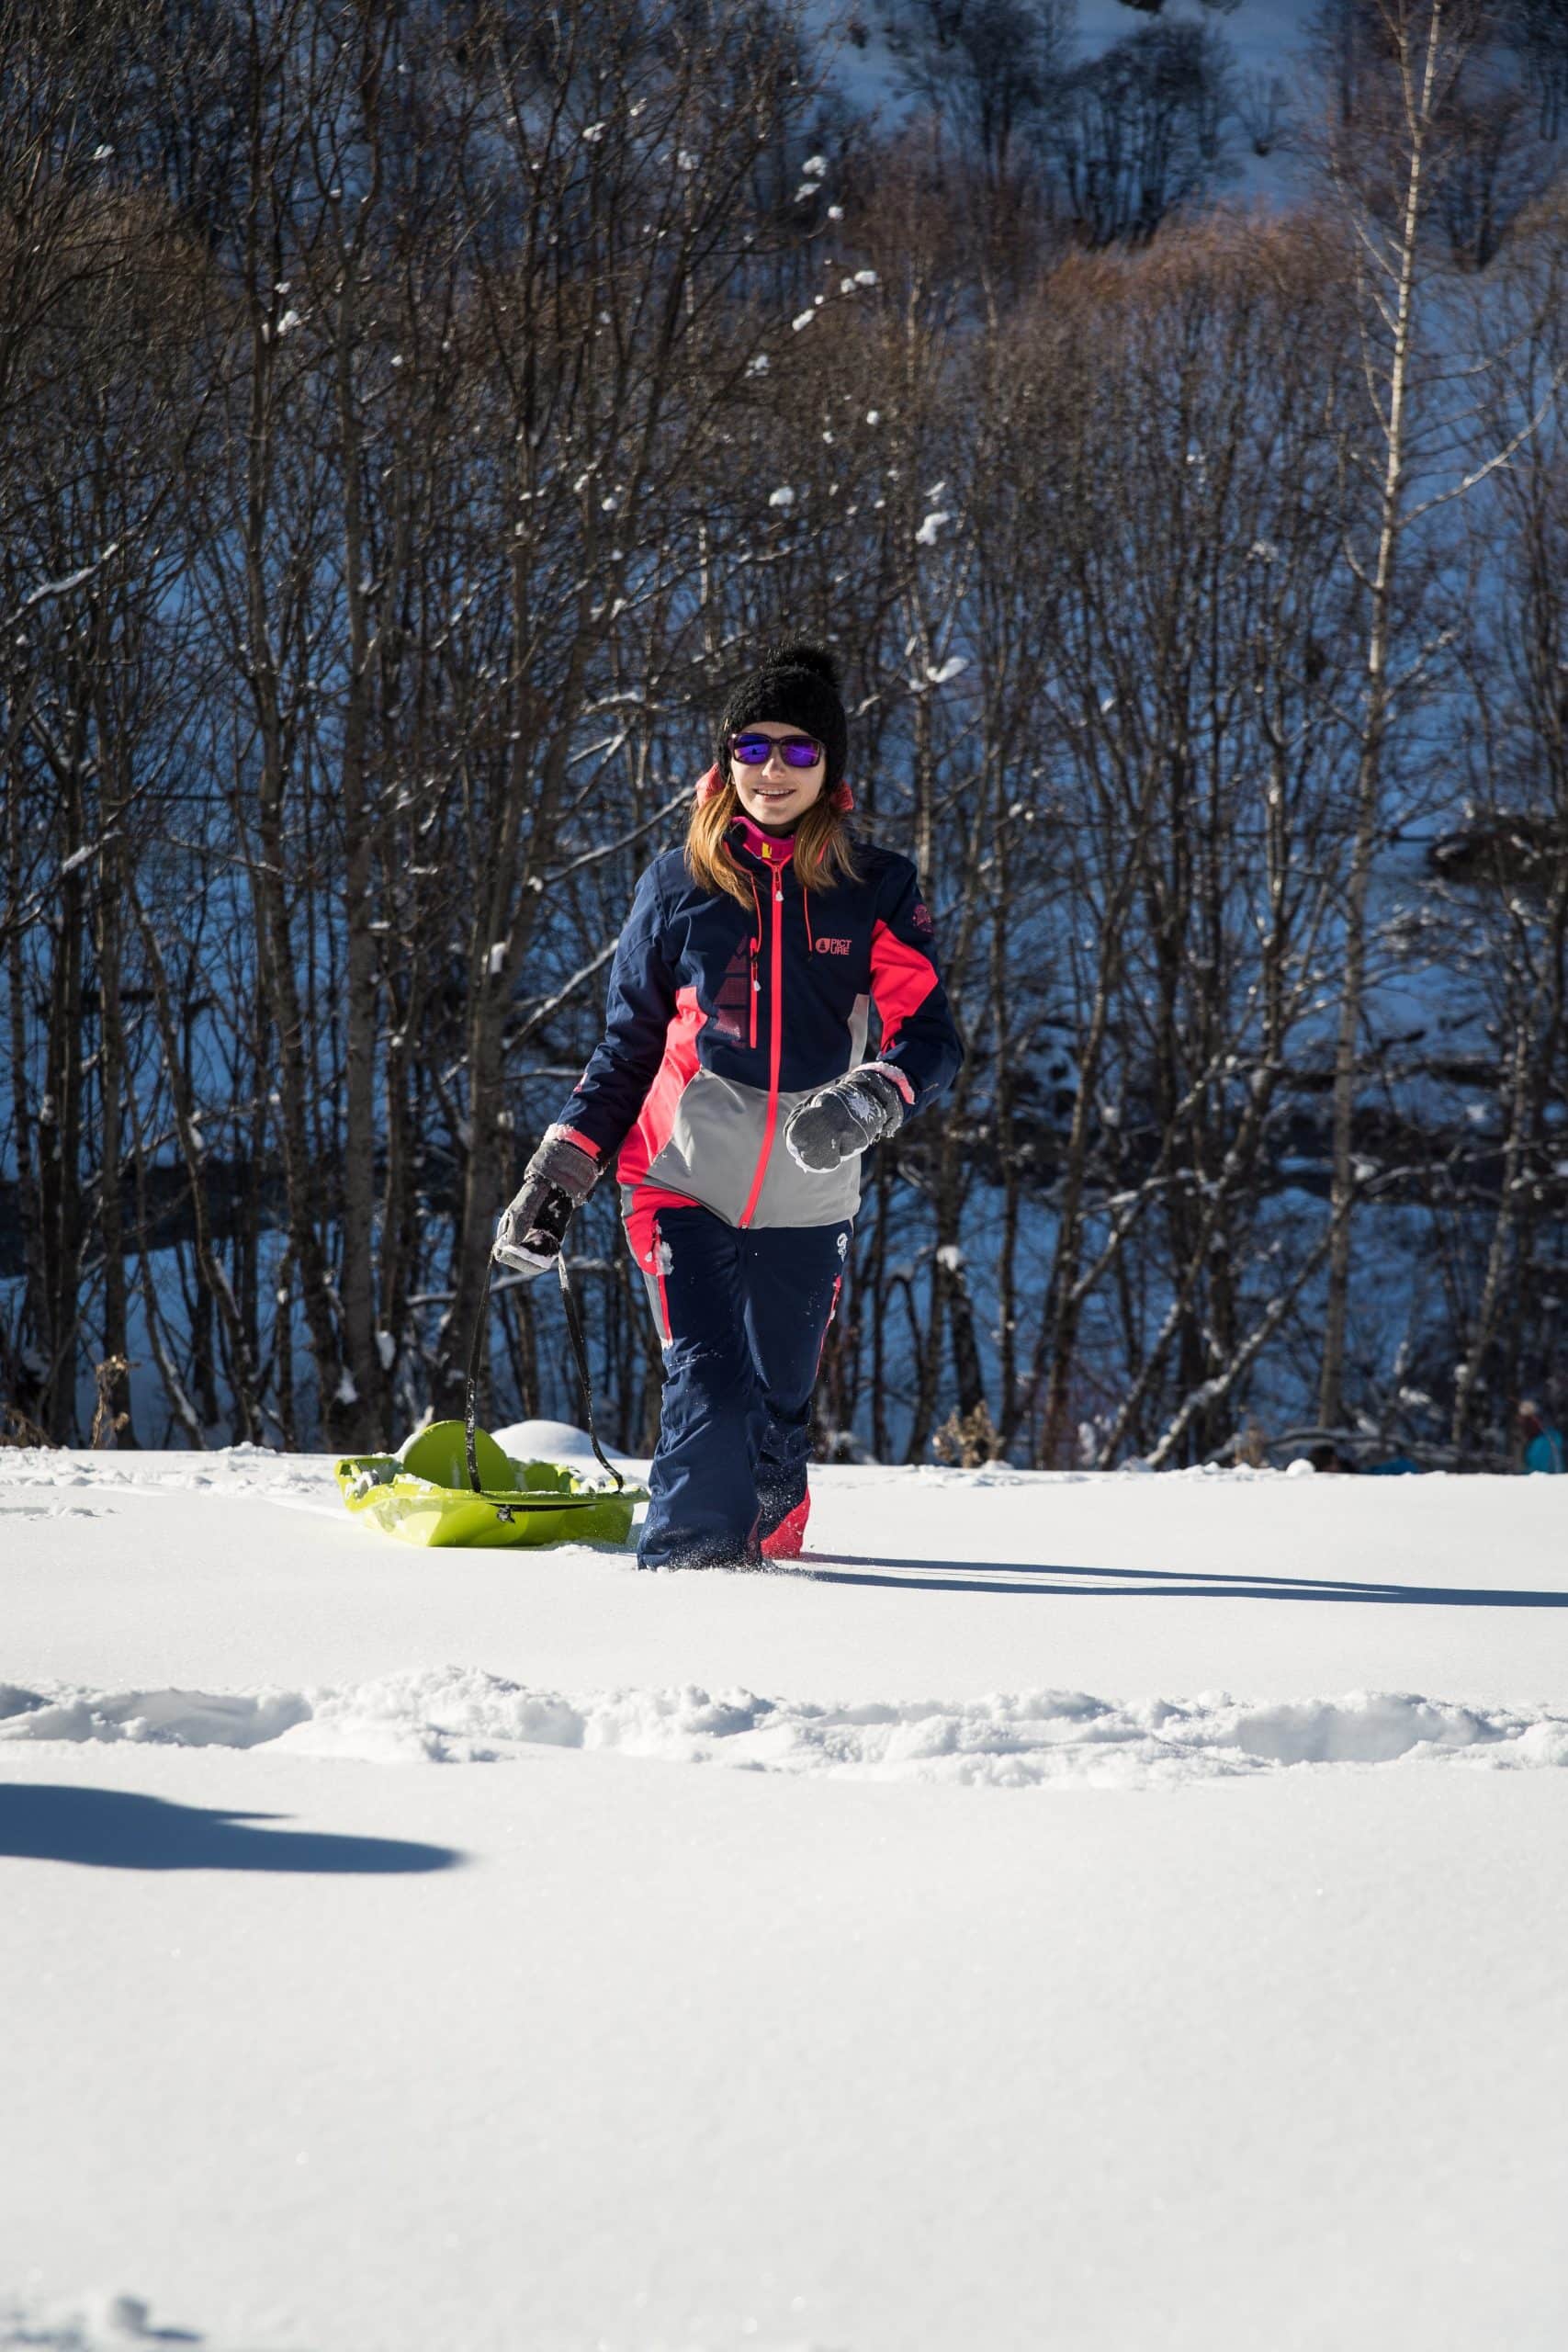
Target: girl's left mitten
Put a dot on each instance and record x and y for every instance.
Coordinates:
(843, 1119)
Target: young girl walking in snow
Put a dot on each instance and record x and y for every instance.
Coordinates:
(730, 1088)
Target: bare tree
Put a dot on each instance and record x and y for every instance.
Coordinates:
(1385, 181)
(1138, 131)
(1511, 863)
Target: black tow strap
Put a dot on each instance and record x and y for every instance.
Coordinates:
(580, 1351)
(475, 1357)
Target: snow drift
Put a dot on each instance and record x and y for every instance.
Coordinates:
(1031, 1739)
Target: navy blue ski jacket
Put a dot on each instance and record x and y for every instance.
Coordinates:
(721, 1018)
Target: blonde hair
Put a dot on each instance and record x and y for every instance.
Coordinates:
(824, 847)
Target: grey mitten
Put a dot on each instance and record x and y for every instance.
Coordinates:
(556, 1182)
(842, 1119)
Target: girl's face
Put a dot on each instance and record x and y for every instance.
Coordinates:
(776, 794)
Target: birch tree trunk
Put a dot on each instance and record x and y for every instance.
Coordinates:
(1422, 54)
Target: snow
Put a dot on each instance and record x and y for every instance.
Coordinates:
(64, 587)
(457, 1714)
(1108, 1909)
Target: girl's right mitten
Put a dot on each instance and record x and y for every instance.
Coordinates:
(556, 1182)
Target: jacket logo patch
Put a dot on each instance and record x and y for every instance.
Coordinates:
(921, 915)
(833, 946)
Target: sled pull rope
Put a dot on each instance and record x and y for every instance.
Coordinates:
(475, 1357)
(574, 1325)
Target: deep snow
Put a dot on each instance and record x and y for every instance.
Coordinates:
(1139, 1918)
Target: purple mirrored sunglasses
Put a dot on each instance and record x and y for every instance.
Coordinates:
(754, 750)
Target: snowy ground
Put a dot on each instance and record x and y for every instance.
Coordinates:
(1118, 1912)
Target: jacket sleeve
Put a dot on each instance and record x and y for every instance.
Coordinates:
(920, 1048)
(604, 1104)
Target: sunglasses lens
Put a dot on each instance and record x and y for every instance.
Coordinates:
(753, 750)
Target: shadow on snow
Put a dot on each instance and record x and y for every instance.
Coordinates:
(116, 1829)
(1152, 1584)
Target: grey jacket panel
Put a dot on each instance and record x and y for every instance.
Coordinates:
(714, 1148)
(792, 1194)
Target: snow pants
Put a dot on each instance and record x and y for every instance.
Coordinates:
(742, 1316)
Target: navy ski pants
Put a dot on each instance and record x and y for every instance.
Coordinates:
(742, 1316)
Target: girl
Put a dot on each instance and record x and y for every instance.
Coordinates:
(731, 1084)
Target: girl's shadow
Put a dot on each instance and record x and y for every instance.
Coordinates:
(116, 1829)
(1153, 1584)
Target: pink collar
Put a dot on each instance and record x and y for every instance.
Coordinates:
(773, 848)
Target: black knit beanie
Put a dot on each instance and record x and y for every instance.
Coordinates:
(797, 685)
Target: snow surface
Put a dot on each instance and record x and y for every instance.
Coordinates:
(1135, 1913)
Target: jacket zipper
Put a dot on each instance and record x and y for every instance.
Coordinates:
(775, 1026)
(756, 949)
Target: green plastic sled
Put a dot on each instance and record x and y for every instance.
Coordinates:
(425, 1497)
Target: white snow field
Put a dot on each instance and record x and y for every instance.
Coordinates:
(1119, 1914)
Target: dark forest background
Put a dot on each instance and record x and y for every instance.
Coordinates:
(410, 416)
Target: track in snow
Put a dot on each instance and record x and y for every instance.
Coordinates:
(1040, 1739)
